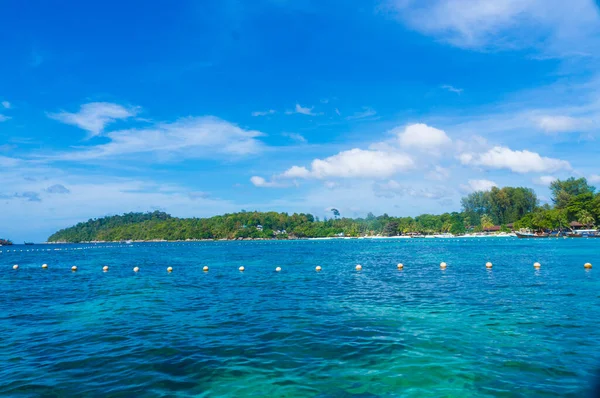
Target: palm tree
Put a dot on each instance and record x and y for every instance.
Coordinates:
(446, 226)
(584, 217)
(486, 222)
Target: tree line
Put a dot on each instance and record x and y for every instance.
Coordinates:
(573, 199)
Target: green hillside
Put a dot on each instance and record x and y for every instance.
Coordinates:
(573, 200)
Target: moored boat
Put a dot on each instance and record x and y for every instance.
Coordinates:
(526, 235)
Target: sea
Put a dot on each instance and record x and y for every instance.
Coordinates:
(419, 331)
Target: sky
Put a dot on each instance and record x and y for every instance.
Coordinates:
(199, 108)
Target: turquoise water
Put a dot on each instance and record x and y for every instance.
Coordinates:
(466, 331)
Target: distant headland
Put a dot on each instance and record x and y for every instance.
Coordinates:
(575, 202)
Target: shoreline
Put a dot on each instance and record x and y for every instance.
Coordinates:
(401, 237)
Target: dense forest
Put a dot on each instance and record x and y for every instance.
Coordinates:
(573, 200)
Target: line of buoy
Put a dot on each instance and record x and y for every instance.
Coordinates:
(358, 267)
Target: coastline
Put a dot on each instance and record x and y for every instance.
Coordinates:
(373, 237)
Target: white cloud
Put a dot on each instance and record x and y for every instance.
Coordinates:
(478, 185)
(337, 112)
(57, 189)
(423, 137)
(392, 188)
(295, 136)
(438, 173)
(263, 113)
(562, 124)
(199, 195)
(594, 179)
(365, 113)
(4, 118)
(557, 26)
(518, 161)
(192, 137)
(544, 180)
(452, 89)
(93, 117)
(296, 172)
(302, 111)
(262, 183)
(5, 104)
(7, 162)
(355, 163)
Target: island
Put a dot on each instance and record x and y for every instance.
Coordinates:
(499, 210)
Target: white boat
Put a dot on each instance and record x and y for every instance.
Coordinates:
(444, 235)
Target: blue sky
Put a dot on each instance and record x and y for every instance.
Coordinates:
(199, 108)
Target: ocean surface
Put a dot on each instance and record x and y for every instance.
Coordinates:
(512, 331)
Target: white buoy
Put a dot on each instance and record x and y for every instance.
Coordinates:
(278, 269)
(74, 268)
(16, 266)
(105, 268)
(170, 269)
(44, 266)
(488, 265)
(136, 269)
(205, 269)
(359, 267)
(400, 266)
(587, 266)
(537, 265)
(443, 265)
(242, 268)
(318, 268)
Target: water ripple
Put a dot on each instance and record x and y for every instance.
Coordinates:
(380, 332)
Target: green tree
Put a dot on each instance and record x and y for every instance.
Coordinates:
(498, 206)
(583, 202)
(486, 222)
(564, 190)
(585, 218)
(447, 226)
(457, 227)
(391, 228)
(503, 205)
